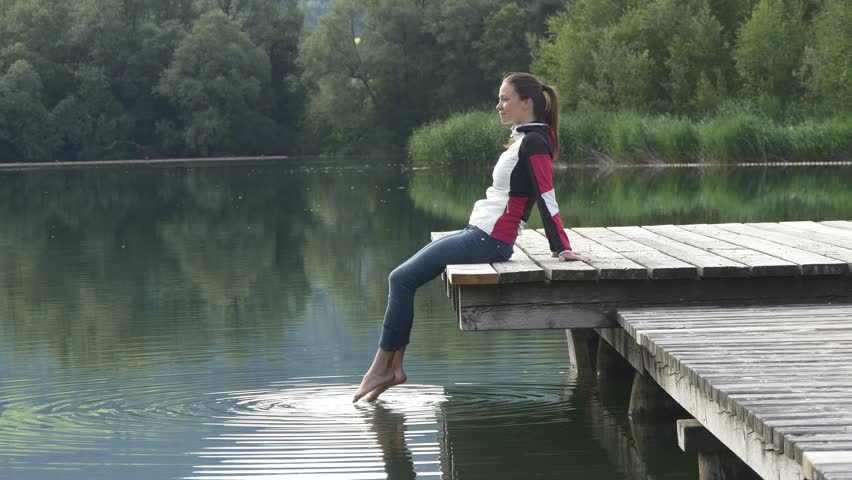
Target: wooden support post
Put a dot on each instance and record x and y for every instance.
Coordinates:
(610, 363)
(723, 466)
(715, 461)
(647, 399)
(583, 350)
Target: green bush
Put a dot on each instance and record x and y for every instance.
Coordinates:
(474, 138)
(827, 140)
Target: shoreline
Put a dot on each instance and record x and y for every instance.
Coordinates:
(144, 161)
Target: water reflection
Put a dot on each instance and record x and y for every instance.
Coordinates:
(311, 430)
(662, 196)
(128, 296)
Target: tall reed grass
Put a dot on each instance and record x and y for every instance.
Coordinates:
(476, 138)
(473, 138)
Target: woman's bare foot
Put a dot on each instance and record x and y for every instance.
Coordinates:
(398, 379)
(385, 372)
(381, 372)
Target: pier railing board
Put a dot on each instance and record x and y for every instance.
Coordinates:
(774, 383)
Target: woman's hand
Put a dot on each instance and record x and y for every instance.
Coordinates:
(569, 256)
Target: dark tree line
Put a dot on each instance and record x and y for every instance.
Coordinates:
(104, 79)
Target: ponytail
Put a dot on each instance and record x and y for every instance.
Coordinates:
(551, 116)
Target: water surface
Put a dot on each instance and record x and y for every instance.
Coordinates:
(212, 322)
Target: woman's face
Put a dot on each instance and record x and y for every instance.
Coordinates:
(511, 108)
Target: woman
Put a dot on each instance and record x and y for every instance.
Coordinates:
(522, 177)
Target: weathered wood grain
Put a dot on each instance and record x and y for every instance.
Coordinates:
(809, 263)
(798, 402)
(520, 268)
(795, 242)
(709, 265)
(845, 224)
(759, 263)
(658, 264)
(535, 245)
(610, 264)
(829, 237)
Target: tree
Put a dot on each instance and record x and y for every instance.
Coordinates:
(503, 47)
(564, 58)
(699, 65)
(827, 63)
(216, 81)
(769, 50)
(26, 132)
(31, 30)
(339, 87)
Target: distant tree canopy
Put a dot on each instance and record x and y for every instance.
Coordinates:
(101, 79)
(96, 79)
(670, 56)
(379, 68)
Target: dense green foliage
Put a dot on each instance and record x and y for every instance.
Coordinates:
(103, 79)
(95, 79)
(669, 56)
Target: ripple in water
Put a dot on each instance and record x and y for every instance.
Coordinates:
(304, 428)
(312, 431)
(307, 430)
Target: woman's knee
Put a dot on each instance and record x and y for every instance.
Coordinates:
(397, 277)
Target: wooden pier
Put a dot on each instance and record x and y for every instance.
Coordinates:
(746, 327)
(770, 263)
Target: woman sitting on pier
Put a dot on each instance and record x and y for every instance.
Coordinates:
(522, 177)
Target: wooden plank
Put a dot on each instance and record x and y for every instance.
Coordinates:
(659, 264)
(709, 265)
(820, 228)
(809, 263)
(628, 293)
(813, 462)
(811, 246)
(776, 398)
(520, 268)
(611, 265)
(535, 245)
(472, 274)
(844, 224)
(759, 263)
(533, 317)
(829, 238)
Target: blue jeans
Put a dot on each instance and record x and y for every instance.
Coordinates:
(470, 245)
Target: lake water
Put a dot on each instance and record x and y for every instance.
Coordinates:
(212, 322)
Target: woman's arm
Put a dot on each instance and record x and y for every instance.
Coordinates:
(540, 161)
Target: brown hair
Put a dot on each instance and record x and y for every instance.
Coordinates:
(545, 107)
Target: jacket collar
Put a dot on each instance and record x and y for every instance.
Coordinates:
(520, 129)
